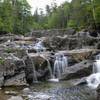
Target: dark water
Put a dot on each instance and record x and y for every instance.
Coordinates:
(56, 91)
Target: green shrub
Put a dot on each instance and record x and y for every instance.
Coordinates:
(1, 61)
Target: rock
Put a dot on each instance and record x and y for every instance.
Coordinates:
(79, 54)
(16, 80)
(22, 38)
(39, 96)
(26, 90)
(12, 65)
(53, 32)
(11, 92)
(12, 70)
(36, 66)
(1, 71)
(1, 81)
(98, 93)
(79, 70)
(81, 81)
(16, 98)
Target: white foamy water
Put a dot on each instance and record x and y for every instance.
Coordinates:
(94, 79)
(60, 65)
(39, 46)
(96, 66)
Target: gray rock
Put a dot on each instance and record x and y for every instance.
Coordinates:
(79, 70)
(26, 90)
(1, 81)
(36, 66)
(39, 96)
(16, 98)
(81, 81)
(53, 32)
(11, 92)
(98, 92)
(16, 80)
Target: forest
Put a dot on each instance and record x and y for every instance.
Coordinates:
(51, 54)
(16, 16)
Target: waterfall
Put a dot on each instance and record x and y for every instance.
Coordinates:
(60, 65)
(39, 46)
(48, 65)
(34, 70)
(94, 79)
(96, 66)
(50, 69)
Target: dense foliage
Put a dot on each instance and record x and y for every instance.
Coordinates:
(78, 14)
(16, 17)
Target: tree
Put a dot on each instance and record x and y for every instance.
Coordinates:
(15, 16)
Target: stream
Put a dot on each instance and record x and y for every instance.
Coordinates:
(49, 91)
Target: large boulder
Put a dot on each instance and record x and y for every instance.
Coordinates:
(11, 70)
(36, 67)
(98, 92)
(61, 42)
(17, 80)
(1, 72)
(79, 70)
(53, 32)
(16, 98)
(79, 54)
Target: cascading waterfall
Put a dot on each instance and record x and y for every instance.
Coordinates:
(39, 46)
(48, 65)
(94, 79)
(96, 66)
(34, 70)
(50, 69)
(60, 65)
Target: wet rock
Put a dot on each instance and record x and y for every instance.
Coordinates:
(81, 81)
(11, 92)
(22, 38)
(79, 55)
(16, 98)
(1, 71)
(16, 80)
(26, 90)
(79, 70)
(1, 81)
(98, 92)
(53, 32)
(36, 66)
(11, 70)
(39, 96)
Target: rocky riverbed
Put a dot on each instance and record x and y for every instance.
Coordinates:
(49, 91)
(25, 60)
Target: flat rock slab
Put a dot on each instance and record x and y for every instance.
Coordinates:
(17, 80)
(79, 70)
(16, 98)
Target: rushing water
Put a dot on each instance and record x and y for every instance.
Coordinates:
(94, 79)
(39, 46)
(60, 65)
(48, 65)
(52, 91)
(34, 70)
